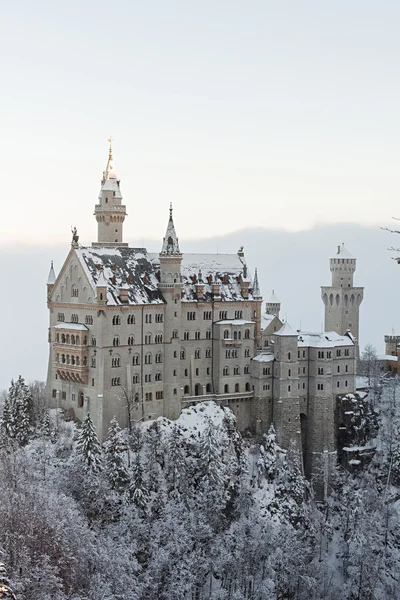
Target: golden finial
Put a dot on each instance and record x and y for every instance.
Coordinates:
(110, 140)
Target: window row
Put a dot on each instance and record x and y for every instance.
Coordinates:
(231, 353)
(73, 340)
(207, 315)
(237, 388)
(236, 370)
(67, 359)
(196, 372)
(191, 316)
(237, 335)
(238, 314)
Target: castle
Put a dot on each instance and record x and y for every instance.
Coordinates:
(139, 335)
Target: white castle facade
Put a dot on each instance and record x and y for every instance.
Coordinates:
(159, 332)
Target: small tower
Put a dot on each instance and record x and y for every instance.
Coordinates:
(171, 288)
(273, 306)
(110, 213)
(256, 287)
(342, 300)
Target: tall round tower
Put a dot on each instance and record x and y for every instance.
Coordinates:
(342, 300)
(110, 213)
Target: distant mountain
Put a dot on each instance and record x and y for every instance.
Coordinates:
(294, 264)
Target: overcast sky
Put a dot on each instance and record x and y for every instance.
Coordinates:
(258, 113)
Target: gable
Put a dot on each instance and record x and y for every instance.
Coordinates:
(72, 283)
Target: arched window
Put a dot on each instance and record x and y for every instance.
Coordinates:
(236, 387)
(68, 359)
(116, 320)
(147, 338)
(84, 361)
(67, 339)
(247, 334)
(63, 338)
(208, 334)
(197, 389)
(183, 354)
(208, 388)
(208, 352)
(131, 340)
(247, 387)
(131, 319)
(74, 291)
(136, 359)
(186, 389)
(236, 370)
(63, 358)
(186, 335)
(158, 376)
(135, 378)
(77, 340)
(226, 389)
(93, 362)
(158, 357)
(247, 369)
(247, 351)
(80, 399)
(148, 359)
(225, 371)
(58, 338)
(77, 361)
(93, 340)
(197, 353)
(239, 335)
(235, 335)
(73, 339)
(226, 334)
(288, 355)
(72, 360)
(116, 341)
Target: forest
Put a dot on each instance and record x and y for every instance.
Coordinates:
(191, 509)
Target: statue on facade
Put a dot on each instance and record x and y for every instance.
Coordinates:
(75, 236)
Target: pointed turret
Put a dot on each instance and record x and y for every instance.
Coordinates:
(110, 213)
(52, 276)
(256, 287)
(170, 245)
(101, 289)
(273, 306)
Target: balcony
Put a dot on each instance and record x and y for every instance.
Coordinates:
(220, 398)
(231, 343)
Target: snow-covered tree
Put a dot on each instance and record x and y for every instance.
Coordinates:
(269, 454)
(115, 451)
(138, 489)
(211, 456)
(6, 592)
(176, 471)
(88, 447)
(17, 412)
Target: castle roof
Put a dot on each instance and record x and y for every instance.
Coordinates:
(223, 269)
(342, 252)
(286, 330)
(115, 266)
(170, 243)
(326, 339)
(265, 357)
(266, 320)
(273, 299)
(52, 276)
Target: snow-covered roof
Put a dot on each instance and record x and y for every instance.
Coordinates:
(388, 357)
(286, 330)
(118, 265)
(234, 322)
(266, 320)
(342, 252)
(273, 299)
(75, 326)
(326, 339)
(264, 357)
(225, 269)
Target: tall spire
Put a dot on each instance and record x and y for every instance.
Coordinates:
(109, 173)
(170, 243)
(256, 287)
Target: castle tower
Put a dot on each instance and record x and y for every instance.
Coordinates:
(286, 403)
(273, 306)
(171, 288)
(342, 300)
(110, 213)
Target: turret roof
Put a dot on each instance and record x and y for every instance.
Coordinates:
(52, 276)
(273, 299)
(343, 252)
(170, 243)
(286, 330)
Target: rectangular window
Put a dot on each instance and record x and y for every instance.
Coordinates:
(64, 395)
(54, 394)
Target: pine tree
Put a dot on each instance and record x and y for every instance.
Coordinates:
(269, 453)
(116, 448)
(210, 454)
(176, 473)
(6, 592)
(138, 489)
(46, 426)
(88, 446)
(20, 408)
(6, 421)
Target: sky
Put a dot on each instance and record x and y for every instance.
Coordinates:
(282, 115)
